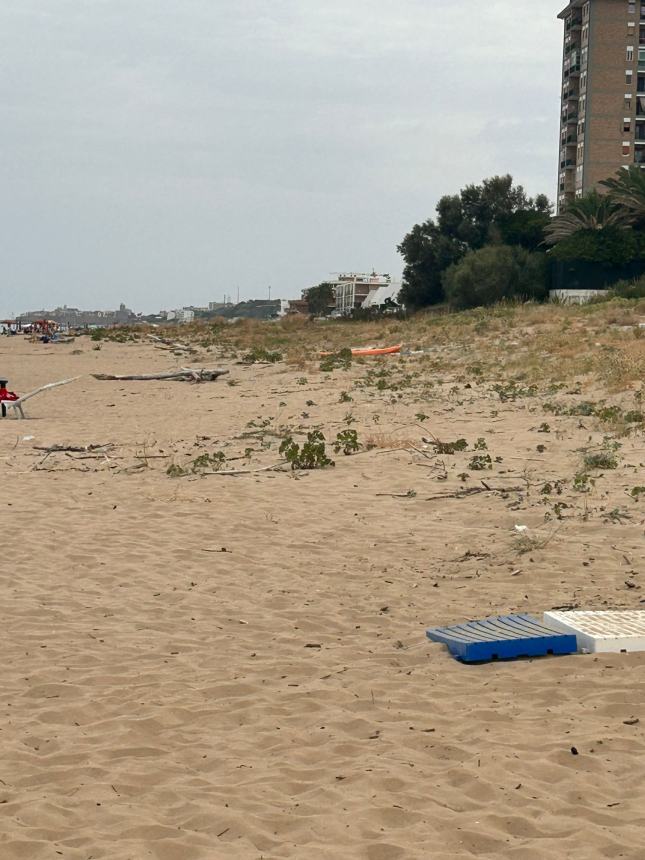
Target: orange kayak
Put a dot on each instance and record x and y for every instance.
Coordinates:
(385, 350)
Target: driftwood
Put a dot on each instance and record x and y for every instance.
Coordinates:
(184, 374)
(272, 468)
(471, 491)
(75, 449)
(16, 405)
(172, 345)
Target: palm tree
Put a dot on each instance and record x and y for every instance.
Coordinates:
(594, 211)
(627, 190)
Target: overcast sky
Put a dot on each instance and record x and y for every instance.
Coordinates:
(164, 152)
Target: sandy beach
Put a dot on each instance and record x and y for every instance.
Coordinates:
(235, 667)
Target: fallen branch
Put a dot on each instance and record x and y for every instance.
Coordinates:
(184, 374)
(411, 494)
(171, 344)
(471, 491)
(88, 456)
(426, 454)
(246, 471)
(75, 449)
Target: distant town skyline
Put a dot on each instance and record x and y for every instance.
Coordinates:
(156, 150)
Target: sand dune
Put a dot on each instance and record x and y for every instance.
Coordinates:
(215, 667)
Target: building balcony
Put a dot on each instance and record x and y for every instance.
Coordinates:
(573, 23)
(568, 164)
(570, 139)
(571, 72)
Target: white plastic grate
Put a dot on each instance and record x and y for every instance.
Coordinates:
(605, 631)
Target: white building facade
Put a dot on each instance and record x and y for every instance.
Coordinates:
(352, 289)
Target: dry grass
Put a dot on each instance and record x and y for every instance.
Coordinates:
(390, 442)
(535, 343)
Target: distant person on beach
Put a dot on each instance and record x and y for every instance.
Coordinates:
(6, 395)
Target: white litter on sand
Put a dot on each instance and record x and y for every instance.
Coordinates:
(609, 631)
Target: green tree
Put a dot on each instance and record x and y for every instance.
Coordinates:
(320, 299)
(593, 212)
(525, 228)
(495, 273)
(495, 212)
(627, 192)
(427, 254)
(609, 246)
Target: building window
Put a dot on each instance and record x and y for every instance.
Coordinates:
(629, 54)
(626, 147)
(627, 124)
(631, 7)
(585, 12)
(628, 76)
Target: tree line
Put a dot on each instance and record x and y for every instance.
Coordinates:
(492, 241)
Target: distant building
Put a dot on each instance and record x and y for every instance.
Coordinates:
(74, 317)
(352, 289)
(298, 307)
(382, 296)
(602, 112)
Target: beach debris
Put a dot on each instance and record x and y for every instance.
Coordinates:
(471, 491)
(74, 449)
(184, 374)
(16, 405)
(503, 638)
(172, 345)
(410, 494)
(602, 631)
(369, 350)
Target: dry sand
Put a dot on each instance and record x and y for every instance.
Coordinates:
(235, 667)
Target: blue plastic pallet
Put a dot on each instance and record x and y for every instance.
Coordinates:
(506, 637)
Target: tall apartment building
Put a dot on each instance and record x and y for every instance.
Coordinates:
(603, 93)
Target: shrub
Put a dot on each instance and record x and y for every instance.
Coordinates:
(480, 462)
(496, 273)
(449, 448)
(347, 442)
(600, 460)
(311, 455)
(259, 353)
(340, 360)
(634, 289)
